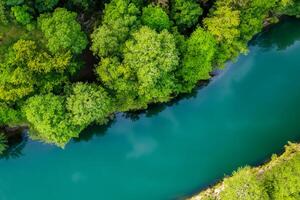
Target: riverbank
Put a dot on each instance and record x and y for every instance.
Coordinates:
(174, 150)
(265, 176)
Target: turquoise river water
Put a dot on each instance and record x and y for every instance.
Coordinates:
(241, 117)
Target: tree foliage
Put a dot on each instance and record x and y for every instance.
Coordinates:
(45, 5)
(119, 20)
(276, 180)
(148, 52)
(21, 14)
(26, 70)
(283, 181)
(198, 58)
(185, 13)
(147, 71)
(9, 116)
(49, 119)
(244, 185)
(62, 31)
(3, 18)
(89, 103)
(155, 18)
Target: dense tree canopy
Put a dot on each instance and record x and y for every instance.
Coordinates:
(155, 18)
(21, 14)
(3, 18)
(147, 71)
(62, 31)
(197, 61)
(185, 13)
(145, 52)
(88, 103)
(120, 18)
(45, 5)
(26, 70)
(49, 117)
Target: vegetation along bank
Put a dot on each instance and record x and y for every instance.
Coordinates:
(278, 179)
(68, 64)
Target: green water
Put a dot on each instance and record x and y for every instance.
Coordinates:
(243, 116)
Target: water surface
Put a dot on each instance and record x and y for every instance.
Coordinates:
(243, 116)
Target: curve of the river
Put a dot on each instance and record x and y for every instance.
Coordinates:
(243, 116)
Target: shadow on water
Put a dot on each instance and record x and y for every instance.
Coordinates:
(151, 111)
(16, 144)
(155, 109)
(269, 37)
(266, 39)
(94, 130)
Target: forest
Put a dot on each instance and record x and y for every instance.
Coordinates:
(66, 65)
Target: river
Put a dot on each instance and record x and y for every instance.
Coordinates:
(240, 118)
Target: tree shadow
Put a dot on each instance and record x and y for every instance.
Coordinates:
(155, 109)
(16, 144)
(94, 130)
(279, 36)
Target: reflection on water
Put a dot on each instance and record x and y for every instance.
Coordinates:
(94, 130)
(16, 146)
(241, 118)
(281, 40)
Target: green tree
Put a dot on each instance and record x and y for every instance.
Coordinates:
(13, 2)
(147, 72)
(62, 31)
(119, 20)
(9, 116)
(153, 58)
(49, 119)
(89, 103)
(223, 24)
(185, 13)
(3, 18)
(155, 18)
(21, 14)
(288, 7)
(198, 58)
(45, 5)
(27, 69)
(16, 80)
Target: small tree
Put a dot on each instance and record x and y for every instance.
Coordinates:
(185, 13)
(62, 31)
(198, 58)
(21, 14)
(155, 18)
(49, 119)
(88, 103)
